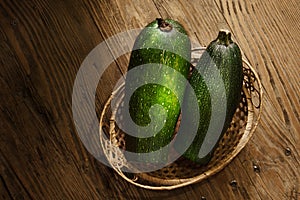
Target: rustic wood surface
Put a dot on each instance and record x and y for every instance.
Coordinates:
(42, 45)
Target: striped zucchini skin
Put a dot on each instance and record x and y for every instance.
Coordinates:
(164, 43)
(225, 55)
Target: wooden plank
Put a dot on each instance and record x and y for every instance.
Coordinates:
(43, 44)
(265, 34)
(40, 60)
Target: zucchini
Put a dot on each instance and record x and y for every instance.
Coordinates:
(162, 51)
(217, 82)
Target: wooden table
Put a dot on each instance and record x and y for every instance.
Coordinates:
(43, 44)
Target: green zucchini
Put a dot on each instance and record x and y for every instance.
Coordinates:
(162, 43)
(217, 82)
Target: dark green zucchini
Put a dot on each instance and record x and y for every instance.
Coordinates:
(163, 43)
(217, 82)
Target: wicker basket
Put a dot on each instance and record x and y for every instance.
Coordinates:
(182, 172)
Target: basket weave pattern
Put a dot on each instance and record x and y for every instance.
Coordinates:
(183, 172)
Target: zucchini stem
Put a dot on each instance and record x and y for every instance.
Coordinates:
(163, 25)
(224, 37)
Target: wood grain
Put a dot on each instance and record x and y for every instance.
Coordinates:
(42, 46)
(266, 35)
